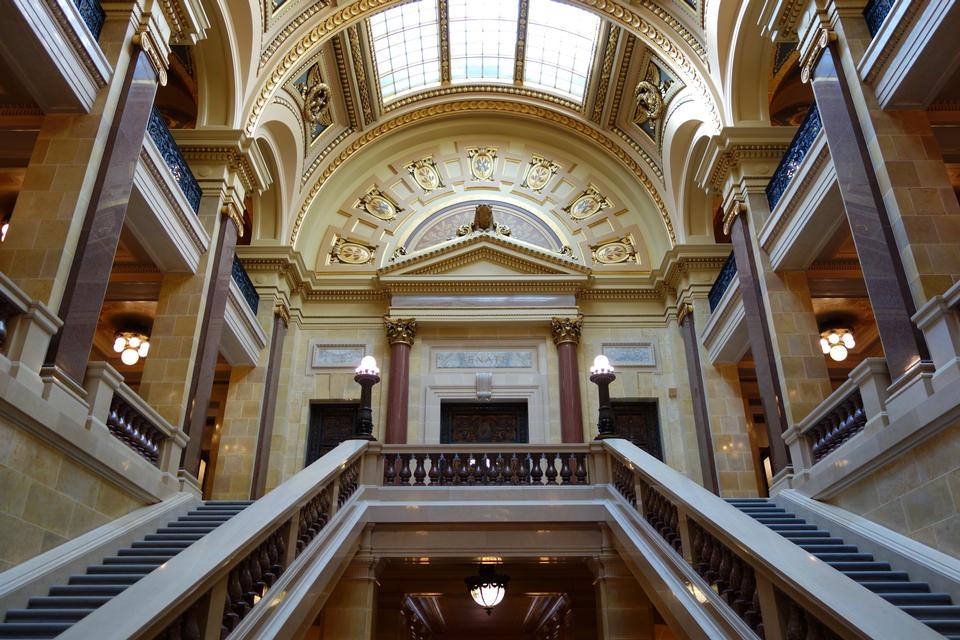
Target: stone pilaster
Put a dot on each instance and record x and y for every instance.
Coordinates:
(701, 417)
(624, 612)
(566, 335)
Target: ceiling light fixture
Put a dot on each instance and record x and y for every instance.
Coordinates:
(837, 343)
(131, 345)
(487, 587)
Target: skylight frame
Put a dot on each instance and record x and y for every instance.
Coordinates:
(483, 40)
(410, 34)
(564, 71)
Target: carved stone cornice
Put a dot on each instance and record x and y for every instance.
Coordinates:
(228, 148)
(566, 330)
(736, 159)
(400, 330)
(187, 19)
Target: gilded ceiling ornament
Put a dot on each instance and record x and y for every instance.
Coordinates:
(649, 101)
(616, 252)
(425, 174)
(567, 251)
(316, 98)
(398, 253)
(588, 203)
(483, 221)
(566, 330)
(378, 204)
(483, 162)
(400, 330)
(538, 173)
(351, 252)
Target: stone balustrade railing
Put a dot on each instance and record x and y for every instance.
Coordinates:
(875, 13)
(722, 283)
(93, 15)
(858, 404)
(485, 465)
(174, 159)
(245, 284)
(794, 155)
(774, 588)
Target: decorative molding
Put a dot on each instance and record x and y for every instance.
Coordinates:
(283, 312)
(378, 204)
(589, 203)
(520, 55)
(322, 155)
(733, 209)
(443, 28)
(735, 156)
(354, 253)
(400, 330)
(483, 162)
(606, 67)
(460, 89)
(566, 330)
(484, 105)
(892, 44)
(425, 173)
(539, 173)
(360, 72)
(615, 252)
(683, 310)
(340, 56)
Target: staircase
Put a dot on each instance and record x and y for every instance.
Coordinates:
(51, 615)
(936, 610)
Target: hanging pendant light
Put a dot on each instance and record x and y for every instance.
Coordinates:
(487, 588)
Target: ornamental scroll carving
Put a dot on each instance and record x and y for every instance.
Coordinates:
(400, 330)
(566, 330)
(649, 101)
(316, 98)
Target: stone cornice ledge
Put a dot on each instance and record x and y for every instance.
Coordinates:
(230, 146)
(741, 152)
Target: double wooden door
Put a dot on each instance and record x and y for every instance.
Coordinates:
(330, 424)
(483, 422)
(639, 422)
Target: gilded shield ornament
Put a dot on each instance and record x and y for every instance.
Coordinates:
(377, 204)
(588, 203)
(539, 172)
(482, 163)
(425, 174)
(351, 253)
(616, 252)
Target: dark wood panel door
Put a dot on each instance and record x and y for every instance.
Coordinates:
(330, 424)
(483, 422)
(639, 422)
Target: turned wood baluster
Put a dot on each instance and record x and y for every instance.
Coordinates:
(741, 603)
(754, 613)
(551, 468)
(695, 552)
(723, 580)
(489, 471)
(796, 624)
(419, 473)
(456, 469)
(732, 593)
(536, 476)
(405, 472)
(259, 586)
(390, 470)
(264, 560)
(235, 593)
(190, 629)
(500, 465)
(523, 473)
(434, 474)
(716, 552)
(514, 468)
(443, 466)
(471, 470)
(706, 552)
(675, 529)
(246, 582)
(581, 473)
(565, 472)
(280, 546)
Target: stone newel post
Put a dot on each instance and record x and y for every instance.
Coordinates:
(566, 335)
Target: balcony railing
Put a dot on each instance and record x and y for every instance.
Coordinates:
(135, 430)
(845, 421)
(875, 13)
(795, 154)
(93, 15)
(174, 159)
(484, 465)
(724, 278)
(245, 285)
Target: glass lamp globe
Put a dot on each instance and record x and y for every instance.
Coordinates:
(838, 353)
(601, 364)
(368, 366)
(487, 588)
(129, 356)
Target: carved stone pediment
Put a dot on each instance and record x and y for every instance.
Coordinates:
(482, 257)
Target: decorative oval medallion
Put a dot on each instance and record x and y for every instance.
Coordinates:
(426, 176)
(482, 162)
(587, 203)
(616, 252)
(352, 253)
(539, 172)
(380, 207)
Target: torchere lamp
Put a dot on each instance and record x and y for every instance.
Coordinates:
(368, 374)
(601, 374)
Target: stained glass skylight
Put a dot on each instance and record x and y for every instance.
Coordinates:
(483, 39)
(560, 45)
(406, 45)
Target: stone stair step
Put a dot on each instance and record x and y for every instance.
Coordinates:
(106, 578)
(172, 537)
(829, 548)
(67, 602)
(777, 523)
(878, 576)
(33, 629)
(896, 587)
(943, 626)
(156, 561)
(859, 566)
(200, 530)
(844, 557)
(22, 615)
(168, 552)
(933, 612)
(806, 534)
(793, 527)
(122, 569)
(162, 544)
(103, 590)
(916, 598)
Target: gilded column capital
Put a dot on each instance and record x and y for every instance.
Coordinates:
(685, 309)
(734, 207)
(566, 330)
(811, 47)
(153, 37)
(233, 210)
(400, 330)
(282, 312)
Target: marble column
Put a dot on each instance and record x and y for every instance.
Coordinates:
(566, 335)
(736, 223)
(873, 236)
(401, 333)
(268, 409)
(211, 329)
(701, 417)
(86, 285)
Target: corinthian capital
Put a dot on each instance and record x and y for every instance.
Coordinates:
(566, 330)
(402, 330)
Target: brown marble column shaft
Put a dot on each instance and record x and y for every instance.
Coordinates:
(566, 335)
(268, 408)
(701, 417)
(86, 286)
(883, 273)
(401, 333)
(211, 329)
(761, 343)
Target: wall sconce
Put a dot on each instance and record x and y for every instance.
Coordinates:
(131, 345)
(368, 374)
(836, 343)
(602, 374)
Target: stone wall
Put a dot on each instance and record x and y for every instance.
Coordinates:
(47, 499)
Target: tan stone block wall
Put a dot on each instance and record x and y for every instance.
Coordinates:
(47, 499)
(918, 494)
(728, 427)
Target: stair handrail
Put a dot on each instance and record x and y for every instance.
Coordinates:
(195, 593)
(773, 585)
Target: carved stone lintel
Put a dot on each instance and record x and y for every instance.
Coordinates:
(283, 312)
(400, 330)
(566, 330)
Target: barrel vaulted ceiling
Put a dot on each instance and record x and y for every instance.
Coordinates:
(327, 81)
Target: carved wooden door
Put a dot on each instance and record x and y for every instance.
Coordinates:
(330, 424)
(639, 422)
(483, 422)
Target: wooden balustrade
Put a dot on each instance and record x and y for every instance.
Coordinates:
(464, 467)
(349, 481)
(623, 481)
(660, 513)
(314, 516)
(250, 579)
(128, 425)
(844, 421)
